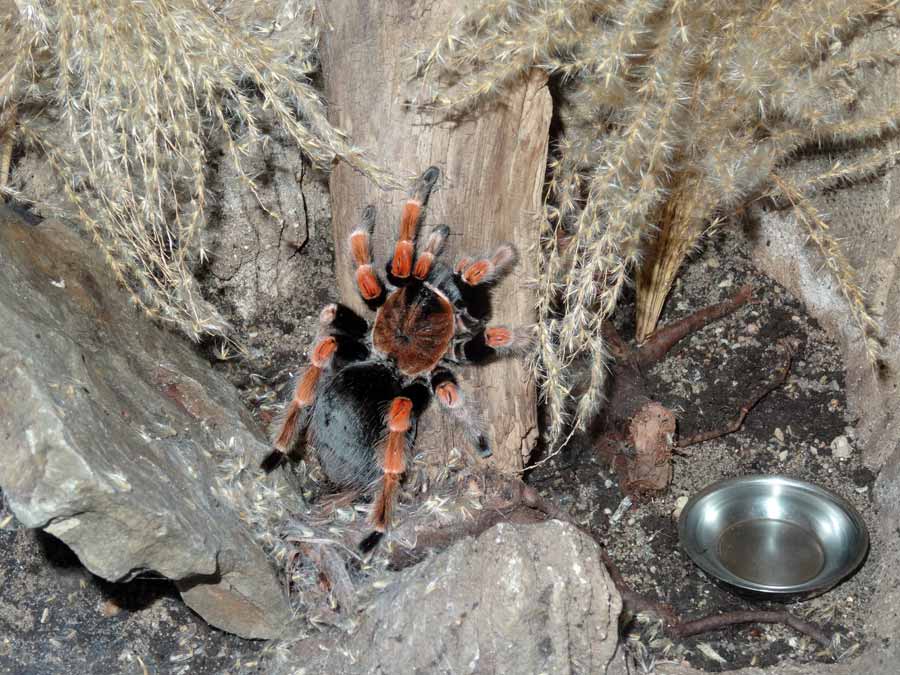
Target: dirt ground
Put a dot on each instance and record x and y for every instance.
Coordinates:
(57, 617)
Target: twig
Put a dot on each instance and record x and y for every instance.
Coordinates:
(735, 424)
(720, 621)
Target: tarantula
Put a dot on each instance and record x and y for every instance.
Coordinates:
(359, 399)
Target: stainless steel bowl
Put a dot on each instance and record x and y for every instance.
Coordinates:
(773, 536)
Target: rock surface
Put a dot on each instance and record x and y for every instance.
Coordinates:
(517, 599)
(106, 425)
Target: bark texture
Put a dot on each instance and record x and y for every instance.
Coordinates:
(493, 170)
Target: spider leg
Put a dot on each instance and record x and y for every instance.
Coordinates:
(402, 262)
(344, 341)
(434, 242)
(462, 408)
(495, 341)
(400, 417)
(370, 287)
(485, 270)
(341, 319)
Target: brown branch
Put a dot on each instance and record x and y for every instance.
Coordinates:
(659, 344)
(735, 424)
(719, 621)
(635, 602)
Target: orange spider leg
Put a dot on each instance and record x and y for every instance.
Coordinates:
(430, 251)
(448, 394)
(360, 251)
(393, 462)
(402, 262)
(486, 269)
(451, 397)
(498, 336)
(304, 393)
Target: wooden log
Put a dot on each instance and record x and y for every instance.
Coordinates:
(493, 171)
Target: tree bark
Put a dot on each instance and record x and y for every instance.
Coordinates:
(493, 171)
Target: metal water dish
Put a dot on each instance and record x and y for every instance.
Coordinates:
(773, 536)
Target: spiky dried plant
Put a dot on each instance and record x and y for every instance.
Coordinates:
(675, 115)
(130, 101)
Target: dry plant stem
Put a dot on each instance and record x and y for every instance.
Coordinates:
(637, 439)
(7, 142)
(682, 223)
(735, 424)
(628, 393)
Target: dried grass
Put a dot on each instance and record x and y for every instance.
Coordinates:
(129, 102)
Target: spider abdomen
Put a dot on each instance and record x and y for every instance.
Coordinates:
(348, 421)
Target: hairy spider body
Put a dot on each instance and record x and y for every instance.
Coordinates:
(360, 398)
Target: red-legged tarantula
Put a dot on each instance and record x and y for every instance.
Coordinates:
(360, 398)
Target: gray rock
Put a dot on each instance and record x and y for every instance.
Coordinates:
(106, 425)
(518, 599)
(840, 448)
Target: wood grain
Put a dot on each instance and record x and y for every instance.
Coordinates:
(493, 170)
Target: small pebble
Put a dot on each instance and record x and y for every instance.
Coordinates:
(779, 434)
(840, 448)
(679, 506)
(782, 456)
(752, 328)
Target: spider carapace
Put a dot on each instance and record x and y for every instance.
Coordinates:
(358, 401)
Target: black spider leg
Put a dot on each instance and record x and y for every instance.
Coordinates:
(493, 342)
(461, 407)
(341, 341)
(344, 321)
